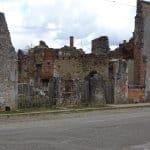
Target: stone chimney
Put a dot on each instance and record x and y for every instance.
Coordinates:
(71, 41)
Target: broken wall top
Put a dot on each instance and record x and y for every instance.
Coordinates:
(5, 39)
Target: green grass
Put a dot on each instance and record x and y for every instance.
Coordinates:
(25, 110)
(38, 109)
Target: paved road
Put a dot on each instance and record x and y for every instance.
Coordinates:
(107, 130)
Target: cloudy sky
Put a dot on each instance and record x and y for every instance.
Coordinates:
(55, 20)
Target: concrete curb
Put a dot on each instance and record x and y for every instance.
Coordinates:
(108, 107)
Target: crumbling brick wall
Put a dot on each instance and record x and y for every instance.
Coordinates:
(136, 95)
(36, 65)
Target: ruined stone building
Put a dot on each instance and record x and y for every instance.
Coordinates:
(8, 68)
(68, 76)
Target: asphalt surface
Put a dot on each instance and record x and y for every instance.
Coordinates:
(127, 129)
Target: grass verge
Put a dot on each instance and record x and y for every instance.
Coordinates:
(48, 109)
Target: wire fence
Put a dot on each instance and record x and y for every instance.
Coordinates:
(33, 97)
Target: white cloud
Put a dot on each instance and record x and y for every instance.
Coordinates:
(55, 20)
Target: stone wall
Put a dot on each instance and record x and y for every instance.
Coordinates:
(8, 68)
(139, 67)
(82, 79)
(142, 41)
(80, 67)
(120, 80)
(130, 64)
(100, 46)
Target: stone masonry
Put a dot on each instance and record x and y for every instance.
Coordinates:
(76, 77)
(142, 43)
(8, 68)
(69, 76)
(104, 76)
